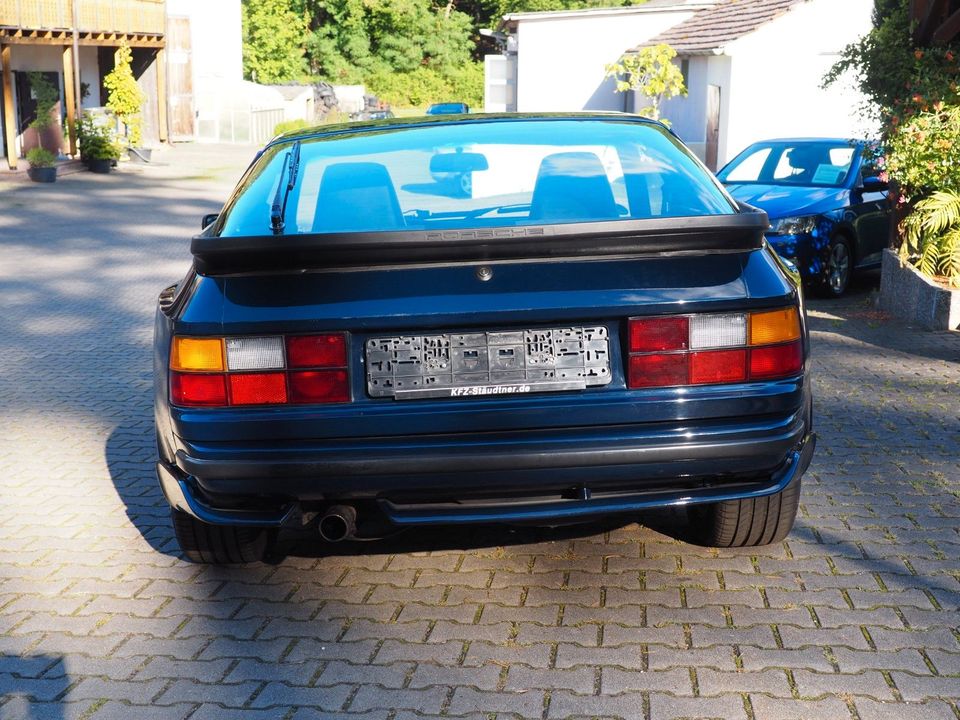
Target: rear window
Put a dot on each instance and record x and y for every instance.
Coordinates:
(480, 174)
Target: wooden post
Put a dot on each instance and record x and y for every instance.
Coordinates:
(70, 98)
(9, 112)
(161, 62)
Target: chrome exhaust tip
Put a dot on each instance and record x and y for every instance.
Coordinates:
(338, 523)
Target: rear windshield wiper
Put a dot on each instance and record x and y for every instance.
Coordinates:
(279, 208)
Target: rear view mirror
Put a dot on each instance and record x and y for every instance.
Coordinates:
(208, 219)
(458, 162)
(874, 184)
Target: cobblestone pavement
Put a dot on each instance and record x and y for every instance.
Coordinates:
(855, 616)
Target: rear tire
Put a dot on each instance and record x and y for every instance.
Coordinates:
(217, 544)
(747, 523)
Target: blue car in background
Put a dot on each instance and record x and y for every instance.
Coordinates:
(450, 108)
(828, 207)
(596, 329)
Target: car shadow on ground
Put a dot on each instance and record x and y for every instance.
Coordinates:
(856, 316)
(130, 455)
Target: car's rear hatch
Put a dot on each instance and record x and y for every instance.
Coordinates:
(514, 344)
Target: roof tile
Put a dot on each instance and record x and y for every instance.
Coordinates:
(716, 27)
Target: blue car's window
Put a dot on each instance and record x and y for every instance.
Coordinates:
(482, 174)
(817, 163)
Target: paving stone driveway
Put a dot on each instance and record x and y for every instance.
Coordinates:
(855, 616)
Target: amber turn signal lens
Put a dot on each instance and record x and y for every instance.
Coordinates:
(197, 354)
(776, 326)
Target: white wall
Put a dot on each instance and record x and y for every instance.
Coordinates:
(561, 59)
(216, 53)
(777, 71)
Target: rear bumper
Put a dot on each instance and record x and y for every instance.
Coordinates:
(487, 477)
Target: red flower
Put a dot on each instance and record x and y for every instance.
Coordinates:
(949, 56)
(918, 54)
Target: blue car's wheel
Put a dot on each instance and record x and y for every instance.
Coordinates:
(838, 268)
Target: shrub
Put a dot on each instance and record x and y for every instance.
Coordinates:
(125, 97)
(38, 157)
(923, 155)
(426, 85)
(932, 236)
(289, 126)
(96, 140)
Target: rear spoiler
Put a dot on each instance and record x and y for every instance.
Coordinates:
(215, 255)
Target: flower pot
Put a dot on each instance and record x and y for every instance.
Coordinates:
(42, 174)
(909, 295)
(99, 165)
(139, 154)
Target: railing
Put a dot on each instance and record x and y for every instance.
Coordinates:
(232, 125)
(106, 16)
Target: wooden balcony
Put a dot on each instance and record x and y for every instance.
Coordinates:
(140, 23)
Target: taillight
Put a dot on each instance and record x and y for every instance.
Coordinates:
(714, 348)
(271, 370)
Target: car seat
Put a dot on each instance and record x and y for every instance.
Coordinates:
(357, 197)
(572, 186)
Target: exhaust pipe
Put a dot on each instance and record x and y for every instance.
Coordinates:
(338, 523)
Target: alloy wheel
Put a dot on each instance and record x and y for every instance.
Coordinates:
(838, 267)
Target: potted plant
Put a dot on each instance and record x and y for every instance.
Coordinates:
(98, 150)
(125, 100)
(42, 167)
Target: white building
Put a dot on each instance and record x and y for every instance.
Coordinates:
(561, 55)
(753, 68)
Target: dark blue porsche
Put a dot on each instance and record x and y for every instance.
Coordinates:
(828, 207)
(595, 328)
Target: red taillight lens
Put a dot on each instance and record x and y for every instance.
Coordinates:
(199, 390)
(714, 348)
(319, 386)
(718, 366)
(258, 388)
(317, 351)
(657, 370)
(659, 334)
(259, 370)
(776, 361)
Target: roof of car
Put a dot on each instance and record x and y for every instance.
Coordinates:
(446, 119)
(798, 140)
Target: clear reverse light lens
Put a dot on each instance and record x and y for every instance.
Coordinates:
(257, 353)
(717, 331)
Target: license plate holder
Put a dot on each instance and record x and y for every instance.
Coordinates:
(487, 363)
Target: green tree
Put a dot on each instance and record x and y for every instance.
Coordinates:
(273, 41)
(652, 73)
(125, 98)
(46, 95)
(898, 78)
